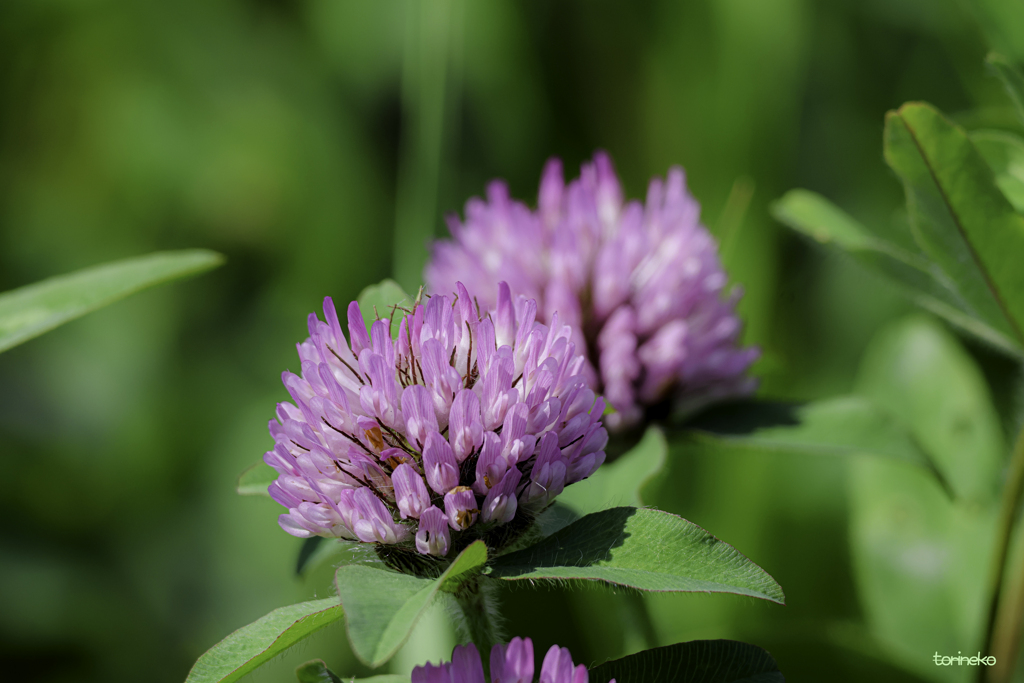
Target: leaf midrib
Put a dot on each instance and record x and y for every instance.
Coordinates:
(645, 572)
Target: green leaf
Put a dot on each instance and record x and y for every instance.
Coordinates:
(698, 661)
(255, 480)
(382, 301)
(1012, 80)
(620, 482)
(382, 607)
(315, 671)
(893, 254)
(1004, 153)
(846, 425)
(30, 311)
(920, 561)
(920, 558)
(644, 549)
(960, 218)
(256, 644)
(919, 372)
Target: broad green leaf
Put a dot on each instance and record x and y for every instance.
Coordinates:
(620, 482)
(960, 217)
(921, 559)
(1004, 153)
(30, 311)
(256, 644)
(1012, 80)
(891, 253)
(920, 563)
(382, 301)
(698, 661)
(255, 480)
(644, 549)
(315, 671)
(919, 372)
(846, 425)
(382, 607)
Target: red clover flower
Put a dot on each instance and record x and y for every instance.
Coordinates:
(512, 663)
(457, 422)
(641, 284)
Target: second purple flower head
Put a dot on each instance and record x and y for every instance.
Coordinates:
(641, 284)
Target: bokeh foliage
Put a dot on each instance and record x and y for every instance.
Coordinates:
(295, 138)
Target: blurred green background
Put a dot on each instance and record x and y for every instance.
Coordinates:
(317, 145)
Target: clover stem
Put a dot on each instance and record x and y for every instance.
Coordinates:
(479, 625)
(1000, 624)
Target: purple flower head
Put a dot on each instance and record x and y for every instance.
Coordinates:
(451, 424)
(641, 285)
(511, 663)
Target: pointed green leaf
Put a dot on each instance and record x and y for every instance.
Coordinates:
(382, 607)
(256, 644)
(315, 671)
(961, 219)
(255, 480)
(385, 300)
(30, 311)
(1012, 80)
(1004, 153)
(920, 561)
(698, 661)
(644, 549)
(620, 482)
(920, 558)
(891, 254)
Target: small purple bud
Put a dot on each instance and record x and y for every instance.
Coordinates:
(357, 329)
(505, 318)
(410, 492)
(375, 522)
(418, 409)
(439, 464)
(490, 466)
(547, 479)
(460, 507)
(465, 426)
(466, 665)
(433, 537)
(557, 666)
(512, 663)
(500, 504)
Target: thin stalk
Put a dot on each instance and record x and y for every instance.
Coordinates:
(1011, 501)
(1007, 632)
(479, 623)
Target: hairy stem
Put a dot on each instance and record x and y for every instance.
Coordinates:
(1011, 501)
(479, 624)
